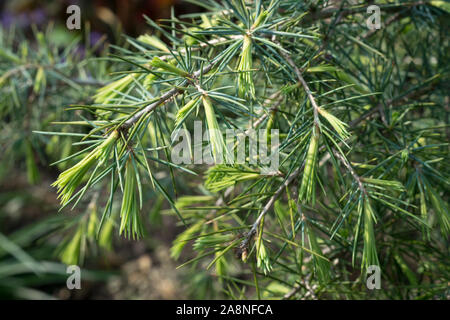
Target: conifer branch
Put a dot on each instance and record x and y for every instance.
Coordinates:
(165, 97)
(305, 86)
(252, 49)
(269, 205)
(351, 170)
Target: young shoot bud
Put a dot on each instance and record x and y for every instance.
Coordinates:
(370, 256)
(339, 126)
(158, 63)
(246, 86)
(307, 188)
(130, 223)
(262, 259)
(70, 179)
(262, 16)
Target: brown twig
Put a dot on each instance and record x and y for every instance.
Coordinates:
(304, 284)
(351, 170)
(305, 86)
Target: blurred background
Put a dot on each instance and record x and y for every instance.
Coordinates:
(105, 17)
(30, 225)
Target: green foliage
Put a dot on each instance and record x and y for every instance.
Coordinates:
(363, 174)
(40, 77)
(222, 176)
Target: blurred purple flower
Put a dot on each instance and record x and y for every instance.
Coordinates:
(6, 19)
(23, 19)
(80, 51)
(95, 37)
(38, 16)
